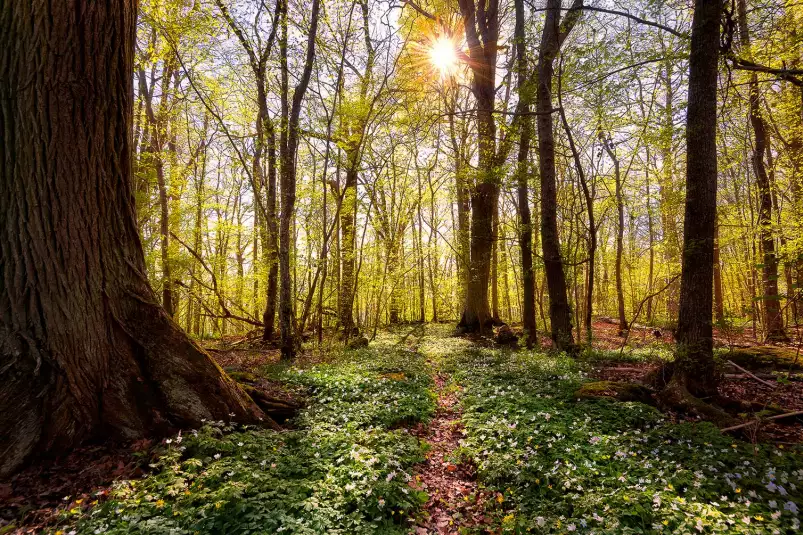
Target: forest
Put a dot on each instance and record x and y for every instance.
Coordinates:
(401, 266)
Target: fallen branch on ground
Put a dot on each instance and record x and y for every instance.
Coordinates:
(751, 374)
(778, 417)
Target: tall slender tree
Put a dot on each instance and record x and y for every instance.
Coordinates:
(288, 149)
(556, 30)
(522, 179)
(773, 320)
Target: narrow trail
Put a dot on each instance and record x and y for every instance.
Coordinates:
(455, 500)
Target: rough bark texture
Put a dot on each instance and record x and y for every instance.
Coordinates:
(86, 349)
(695, 371)
(271, 248)
(481, 24)
(555, 32)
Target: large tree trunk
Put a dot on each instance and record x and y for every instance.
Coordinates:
(477, 311)
(796, 153)
(774, 330)
(392, 255)
(651, 236)
(695, 370)
(87, 350)
(481, 25)
(554, 34)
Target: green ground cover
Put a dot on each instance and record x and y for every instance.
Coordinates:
(555, 463)
(343, 470)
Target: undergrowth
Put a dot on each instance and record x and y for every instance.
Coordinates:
(343, 470)
(562, 465)
(555, 464)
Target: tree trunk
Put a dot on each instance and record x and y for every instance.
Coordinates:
(695, 370)
(481, 25)
(87, 349)
(620, 232)
(396, 290)
(773, 327)
(526, 235)
(270, 248)
(669, 227)
(348, 249)
(288, 148)
(796, 153)
(651, 237)
(560, 313)
(495, 264)
(523, 189)
(719, 305)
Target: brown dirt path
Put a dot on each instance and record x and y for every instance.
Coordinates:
(455, 500)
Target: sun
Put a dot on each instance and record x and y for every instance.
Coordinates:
(443, 55)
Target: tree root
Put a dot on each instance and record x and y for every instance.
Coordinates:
(675, 396)
(278, 410)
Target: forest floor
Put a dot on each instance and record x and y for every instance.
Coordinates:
(423, 432)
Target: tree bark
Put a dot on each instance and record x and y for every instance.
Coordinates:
(651, 236)
(620, 232)
(87, 349)
(481, 25)
(773, 328)
(348, 249)
(554, 34)
(719, 305)
(522, 182)
(695, 370)
(270, 249)
(288, 148)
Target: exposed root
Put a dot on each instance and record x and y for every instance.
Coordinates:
(675, 396)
